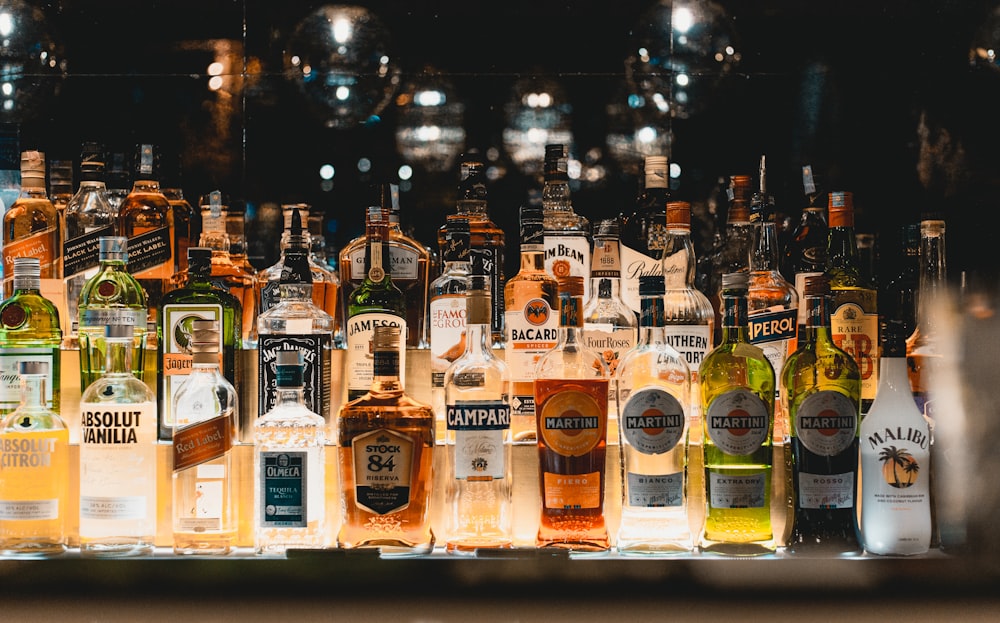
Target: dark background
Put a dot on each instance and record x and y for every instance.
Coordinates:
(838, 85)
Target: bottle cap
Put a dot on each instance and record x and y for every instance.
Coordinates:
(33, 167)
(736, 282)
(679, 214)
(27, 267)
(608, 228)
(147, 162)
(32, 367)
(655, 162)
(816, 285)
(199, 260)
(571, 285)
(113, 248)
(894, 334)
(385, 337)
(651, 285)
(739, 195)
(841, 209)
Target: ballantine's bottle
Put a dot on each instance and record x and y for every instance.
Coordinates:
(567, 234)
(644, 232)
(737, 397)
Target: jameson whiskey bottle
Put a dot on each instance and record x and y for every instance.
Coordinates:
(644, 231)
(29, 332)
(571, 394)
(654, 384)
(34, 479)
(737, 397)
(896, 512)
(375, 302)
(567, 234)
(485, 236)
(31, 224)
(448, 313)
(197, 299)
(478, 441)
(530, 301)
(854, 316)
(821, 393)
(117, 457)
(386, 455)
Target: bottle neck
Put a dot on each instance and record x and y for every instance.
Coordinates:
(652, 319)
(679, 262)
(118, 359)
(734, 319)
(532, 258)
(471, 207)
(556, 196)
(377, 254)
(33, 390)
(289, 395)
(764, 252)
(385, 377)
(842, 248)
(27, 283)
(817, 324)
(606, 268)
(932, 283)
(146, 186)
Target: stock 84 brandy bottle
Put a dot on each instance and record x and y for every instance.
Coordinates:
(737, 397)
(386, 452)
(821, 391)
(571, 398)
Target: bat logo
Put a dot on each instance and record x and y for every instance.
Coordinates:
(537, 312)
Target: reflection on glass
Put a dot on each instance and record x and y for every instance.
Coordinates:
(430, 132)
(537, 114)
(31, 63)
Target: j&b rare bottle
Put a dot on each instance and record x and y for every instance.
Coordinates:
(644, 231)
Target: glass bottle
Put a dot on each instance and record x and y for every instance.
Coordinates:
(60, 185)
(197, 299)
(571, 394)
(327, 291)
(144, 217)
(296, 323)
(236, 230)
(737, 241)
(29, 332)
(923, 353)
(805, 254)
(530, 304)
(478, 498)
(644, 231)
(118, 456)
(118, 179)
(654, 391)
(183, 218)
(289, 507)
(206, 408)
(485, 235)
(898, 299)
(375, 302)
(609, 325)
(854, 315)
(31, 224)
(34, 480)
(896, 507)
(448, 313)
(386, 456)
(821, 393)
(89, 217)
(567, 234)
(112, 296)
(737, 397)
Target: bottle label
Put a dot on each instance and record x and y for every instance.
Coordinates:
(149, 250)
(284, 486)
(10, 378)
(316, 369)
(100, 317)
(572, 491)
(492, 255)
(44, 245)
(800, 287)
(693, 342)
(359, 361)
(33, 468)
(771, 330)
(479, 429)
(569, 255)
(652, 420)
(826, 423)
(634, 265)
(178, 326)
(606, 263)
(609, 341)
(573, 421)
(447, 319)
(825, 490)
(895, 467)
(738, 422)
(731, 491)
(655, 490)
(531, 330)
(202, 442)
(856, 332)
(270, 295)
(209, 503)
(84, 252)
(383, 461)
(404, 264)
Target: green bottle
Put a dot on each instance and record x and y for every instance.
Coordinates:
(737, 399)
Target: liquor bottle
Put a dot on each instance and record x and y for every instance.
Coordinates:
(60, 185)
(407, 262)
(206, 408)
(898, 299)
(29, 332)
(689, 320)
(10, 163)
(375, 302)
(89, 217)
(386, 456)
(236, 230)
(118, 179)
(34, 480)
(448, 313)
(197, 299)
(31, 224)
(896, 507)
(821, 393)
(567, 234)
(296, 323)
(654, 391)
(771, 300)
(868, 256)
(737, 397)
(571, 394)
(117, 456)
(610, 326)
(923, 352)
(112, 296)
(530, 304)
(225, 273)
(644, 232)
(289, 507)
(478, 443)
(854, 316)
(805, 254)
(734, 252)
(144, 218)
(184, 224)
(326, 277)
(485, 235)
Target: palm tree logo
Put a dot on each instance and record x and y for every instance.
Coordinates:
(899, 468)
